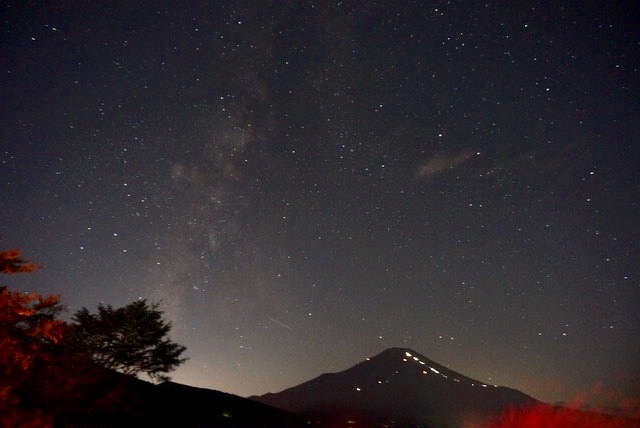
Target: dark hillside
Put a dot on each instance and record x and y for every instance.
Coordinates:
(124, 401)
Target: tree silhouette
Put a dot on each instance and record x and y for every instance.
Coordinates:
(131, 339)
(48, 377)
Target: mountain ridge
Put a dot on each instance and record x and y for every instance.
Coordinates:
(397, 387)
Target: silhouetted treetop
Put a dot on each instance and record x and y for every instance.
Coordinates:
(130, 339)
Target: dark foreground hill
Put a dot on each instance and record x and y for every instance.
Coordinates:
(398, 387)
(124, 401)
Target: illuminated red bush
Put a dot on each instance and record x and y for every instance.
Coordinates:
(29, 336)
(558, 417)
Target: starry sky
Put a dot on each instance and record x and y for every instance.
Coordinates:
(302, 184)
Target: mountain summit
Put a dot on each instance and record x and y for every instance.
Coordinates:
(398, 387)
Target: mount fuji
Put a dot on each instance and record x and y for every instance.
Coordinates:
(398, 387)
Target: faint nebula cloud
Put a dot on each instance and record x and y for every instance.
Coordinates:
(439, 164)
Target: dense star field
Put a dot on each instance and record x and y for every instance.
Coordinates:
(302, 184)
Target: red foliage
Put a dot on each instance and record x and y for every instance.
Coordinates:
(546, 416)
(10, 262)
(28, 330)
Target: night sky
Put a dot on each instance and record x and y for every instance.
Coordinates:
(302, 184)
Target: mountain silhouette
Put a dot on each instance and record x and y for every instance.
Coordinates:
(123, 401)
(398, 387)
